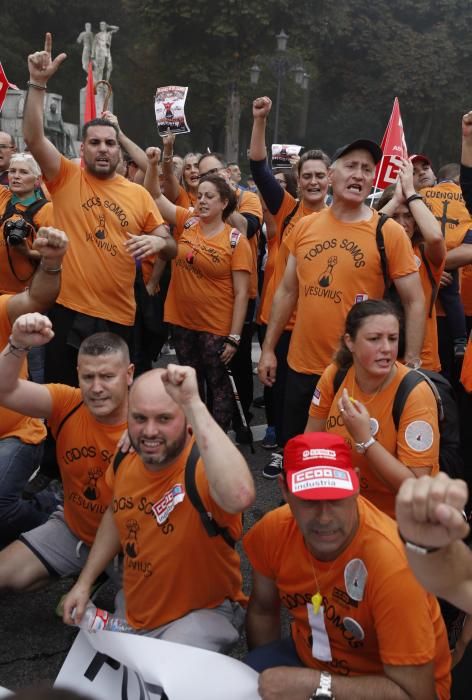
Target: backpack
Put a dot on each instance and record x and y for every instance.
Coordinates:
(390, 291)
(450, 457)
(28, 215)
(211, 526)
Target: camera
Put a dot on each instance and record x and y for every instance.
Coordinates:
(17, 231)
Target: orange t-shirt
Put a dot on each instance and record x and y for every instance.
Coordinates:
(98, 273)
(374, 612)
(447, 204)
(185, 198)
(84, 450)
(12, 424)
(282, 253)
(338, 264)
(249, 203)
(171, 566)
(200, 295)
(23, 268)
(416, 444)
(429, 353)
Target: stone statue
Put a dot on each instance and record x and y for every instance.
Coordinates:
(101, 52)
(86, 38)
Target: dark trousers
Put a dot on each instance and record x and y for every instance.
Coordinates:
(149, 332)
(241, 366)
(70, 329)
(298, 395)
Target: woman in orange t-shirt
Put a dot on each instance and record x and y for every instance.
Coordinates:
(408, 208)
(360, 409)
(209, 289)
(184, 192)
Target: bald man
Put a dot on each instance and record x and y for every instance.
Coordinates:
(182, 580)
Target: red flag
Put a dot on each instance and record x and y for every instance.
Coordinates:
(4, 85)
(90, 111)
(394, 148)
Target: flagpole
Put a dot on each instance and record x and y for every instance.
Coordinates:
(376, 183)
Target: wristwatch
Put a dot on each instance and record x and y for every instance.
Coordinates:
(362, 447)
(324, 692)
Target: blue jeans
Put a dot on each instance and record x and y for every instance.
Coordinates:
(17, 462)
(279, 653)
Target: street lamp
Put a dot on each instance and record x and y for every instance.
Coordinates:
(280, 64)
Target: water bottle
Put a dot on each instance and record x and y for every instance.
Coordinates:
(95, 619)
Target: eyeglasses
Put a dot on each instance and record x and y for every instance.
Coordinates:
(210, 172)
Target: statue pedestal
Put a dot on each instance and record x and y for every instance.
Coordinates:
(102, 91)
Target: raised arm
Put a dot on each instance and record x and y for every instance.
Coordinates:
(172, 185)
(267, 184)
(20, 395)
(46, 283)
(230, 481)
(41, 69)
(135, 152)
(151, 183)
(430, 515)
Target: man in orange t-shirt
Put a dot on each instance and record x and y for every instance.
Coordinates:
(361, 624)
(179, 583)
(334, 262)
(112, 223)
(21, 438)
(87, 424)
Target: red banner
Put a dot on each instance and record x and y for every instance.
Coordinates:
(4, 85)
(90, 111)
(394, 149)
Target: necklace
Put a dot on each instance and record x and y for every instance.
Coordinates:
(195, 246)
(317, 598)
(366, 403)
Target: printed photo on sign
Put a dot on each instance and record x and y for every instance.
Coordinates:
(283, 154)
(419, 436)
(169, 106)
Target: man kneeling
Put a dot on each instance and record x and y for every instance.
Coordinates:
(181, 582)
(361, 623)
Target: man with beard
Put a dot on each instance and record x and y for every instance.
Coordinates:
(180, 583)
(112, 223)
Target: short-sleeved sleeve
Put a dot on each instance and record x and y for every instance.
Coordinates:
(418, 432)
(323, 396)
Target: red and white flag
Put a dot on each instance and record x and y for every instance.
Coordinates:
(394, 149)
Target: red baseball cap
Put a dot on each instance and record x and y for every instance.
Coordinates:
(318, 467)
(420, 156)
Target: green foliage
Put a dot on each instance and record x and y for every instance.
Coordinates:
(360, 55)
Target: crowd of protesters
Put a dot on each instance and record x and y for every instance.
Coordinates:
(353, 303)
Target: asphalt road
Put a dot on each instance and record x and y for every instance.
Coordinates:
(34, 642)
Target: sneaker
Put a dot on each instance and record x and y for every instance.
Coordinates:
(259, 401)
(460, 345)
(274, 466)
(269, 441)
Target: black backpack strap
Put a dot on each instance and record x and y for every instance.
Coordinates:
(67, 416)
(288, 218)
(10, 209)
(432, 281)
(406, 386)
(339, 378)
(211, 526)
(33, 209)
(117, 460)
(379, 239)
